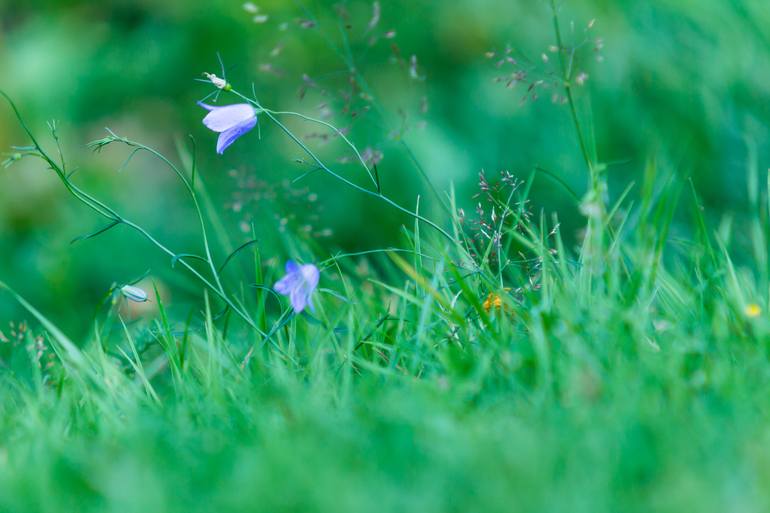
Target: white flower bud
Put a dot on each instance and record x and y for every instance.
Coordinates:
(134, 294)
(219, 83)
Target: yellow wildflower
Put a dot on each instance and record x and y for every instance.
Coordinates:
(752, 310)
(494, 301)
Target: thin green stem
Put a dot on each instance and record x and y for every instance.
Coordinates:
(335, 130)
(194, 197)
(325, 168)
(347, 57)
(567, 84)
(594, 242)
(109, 213)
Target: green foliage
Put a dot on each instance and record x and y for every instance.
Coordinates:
(553, 339)
(646, 391)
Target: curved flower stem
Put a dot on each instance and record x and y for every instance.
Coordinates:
(324, 264)
(114, 216)
(332, 128)
(190, 188)
(325, 168)
(595, 201)
(105, 211)
(346, 55)
(566, 72)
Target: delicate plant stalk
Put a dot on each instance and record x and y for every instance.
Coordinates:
(190, 188)
(567, 84)
(335, 130)
(105, 211)
(377, 194)
(594, 202)
(347, 57)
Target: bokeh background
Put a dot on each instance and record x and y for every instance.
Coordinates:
(683, 82)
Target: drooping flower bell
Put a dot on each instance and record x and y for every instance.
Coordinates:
(134, 294)
(299, 284)
(230, 121)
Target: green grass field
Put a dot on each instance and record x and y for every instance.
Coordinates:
(475, 349)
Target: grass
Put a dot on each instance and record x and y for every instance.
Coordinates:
(640, 387)
(494, 364)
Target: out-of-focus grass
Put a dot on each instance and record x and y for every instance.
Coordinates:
(640, 388)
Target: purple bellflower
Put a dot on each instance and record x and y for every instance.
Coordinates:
(299, 284)
(231, 121)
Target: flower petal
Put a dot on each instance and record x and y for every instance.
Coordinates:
(291, 267)
(134, 293)
(287, 284)
(221, 119)
(299, 284)
(304, 292)
(228, 137)
(298, 300)
(310, 276)
(310, 304)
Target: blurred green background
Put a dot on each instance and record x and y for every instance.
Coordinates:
(683, 81)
